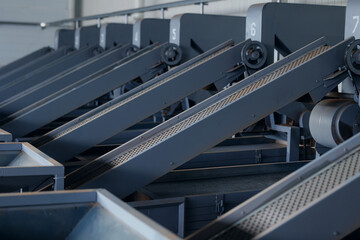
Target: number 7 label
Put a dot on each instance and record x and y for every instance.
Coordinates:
(356, 18)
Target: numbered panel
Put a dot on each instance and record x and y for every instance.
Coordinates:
(352, 19)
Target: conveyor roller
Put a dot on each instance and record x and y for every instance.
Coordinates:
(181, 138)
(140, 103)
(61, 80)
(144, 62)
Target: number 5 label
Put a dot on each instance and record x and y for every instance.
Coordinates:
(173, 34)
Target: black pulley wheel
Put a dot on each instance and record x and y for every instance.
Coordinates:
(254, 55)
(352, 57)
(130, 50)
(171, 54)
(98, 50)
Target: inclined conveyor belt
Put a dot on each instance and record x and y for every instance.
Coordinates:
(319, 201)
(98, 125)
(62, 80)
(25, 60)
(83, 91)
(169, 145)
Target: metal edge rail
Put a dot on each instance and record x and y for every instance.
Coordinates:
(343, 158)
(68, 98)
(94, 174)
(25, 59)
(136, 222)
(49, 81)
(76, 84)
(61, 65)
(128, 12)
(105, 108)
(20, 23)
(37, 63)
(34, 163)
(56, 83)
(5, 136)
(229, 220)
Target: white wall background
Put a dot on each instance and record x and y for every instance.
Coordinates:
(227, 7)
(16, 41)
(325, 2)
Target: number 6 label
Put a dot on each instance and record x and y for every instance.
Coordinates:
(253, 29)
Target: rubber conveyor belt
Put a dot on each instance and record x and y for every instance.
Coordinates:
(62, 80)
(98, 125)
(39, 75)
(25, 60)
(169, 145)
(318, 201)
(75, 95)
(31, 66)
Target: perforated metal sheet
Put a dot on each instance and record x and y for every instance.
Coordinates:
(146, 90)
(296, 198)
(96, 168)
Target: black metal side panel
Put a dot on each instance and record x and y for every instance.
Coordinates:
(5, 136)
(115, 34)
(87, 36)
(288, 27)
(75, 95)
(60, 81)
(298, 206)
(61, 65)
(184, 215)
(149, 31)
(169, 145)
(25, 60)
(167, 212)
(197, 33)
(132, 107)
(64, 37)
(32, 66)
